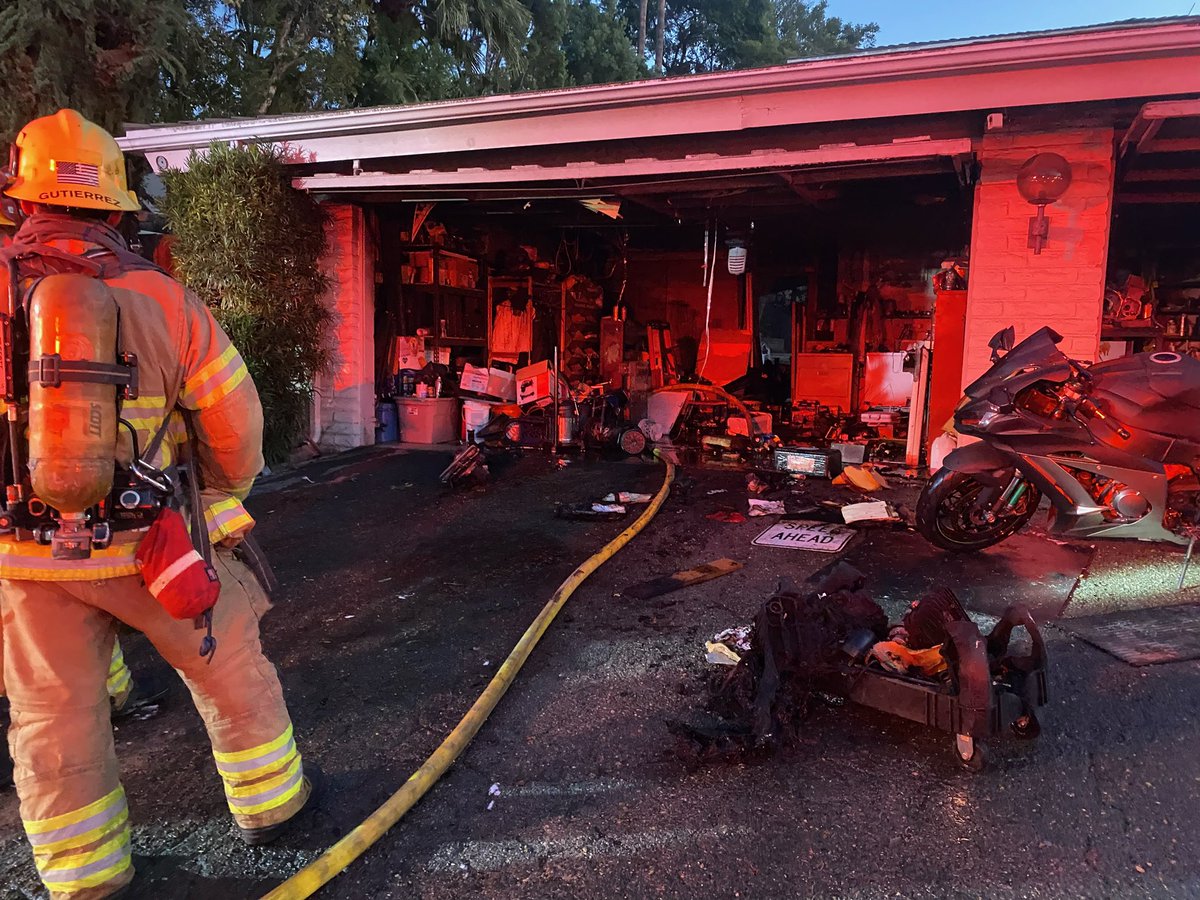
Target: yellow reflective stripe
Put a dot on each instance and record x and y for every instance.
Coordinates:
(41, 826)
(225, 388)
(17, 573)
(117, 662)
(216, 380)
(258, 771)
(29, 561)
(117, 849)
(274, 803)
(238, 756)
(226, 517)
(145, 401)
(231, 527)
(209, 370)
(81, 840)
(267, 784)
(118, 683)
(221, 506)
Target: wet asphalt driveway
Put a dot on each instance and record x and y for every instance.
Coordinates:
(399, 600)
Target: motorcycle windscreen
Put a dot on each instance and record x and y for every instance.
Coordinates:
(1038, 355)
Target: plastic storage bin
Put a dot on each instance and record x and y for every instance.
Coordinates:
(433, 420)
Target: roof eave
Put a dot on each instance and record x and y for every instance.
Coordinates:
(1095, 46)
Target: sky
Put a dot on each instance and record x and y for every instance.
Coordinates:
(905, 21)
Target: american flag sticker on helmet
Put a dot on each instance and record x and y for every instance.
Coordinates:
(77, 173)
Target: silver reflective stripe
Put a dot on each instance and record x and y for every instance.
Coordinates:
(232, 768)
(63, 876)
(266, 796)
(78, 828)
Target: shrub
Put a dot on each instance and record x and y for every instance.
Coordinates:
(249, 245)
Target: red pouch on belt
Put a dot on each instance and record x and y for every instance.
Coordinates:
(178, 577)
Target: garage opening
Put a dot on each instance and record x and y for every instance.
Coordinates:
(807, 294)
(1152, 297)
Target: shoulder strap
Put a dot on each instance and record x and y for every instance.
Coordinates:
(115, 262)
(151, 449)
(37, 260)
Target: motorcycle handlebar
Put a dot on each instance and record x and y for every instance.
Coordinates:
(1092, 411)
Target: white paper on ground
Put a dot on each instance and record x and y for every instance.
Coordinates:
(872, 511)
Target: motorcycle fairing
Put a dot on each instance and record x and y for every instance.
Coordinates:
(1037, 358)
(986, 462)
(1155, 398)
(1076, 512)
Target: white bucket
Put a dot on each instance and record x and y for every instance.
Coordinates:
(476, 414)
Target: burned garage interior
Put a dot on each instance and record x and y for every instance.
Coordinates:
(810, 294)
(1152, 296)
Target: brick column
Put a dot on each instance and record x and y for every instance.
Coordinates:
(1063, 287)
(346, 393)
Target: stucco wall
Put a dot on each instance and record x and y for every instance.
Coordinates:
(1063, 286)
(345, 406)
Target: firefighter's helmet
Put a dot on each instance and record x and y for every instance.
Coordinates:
(65, 160)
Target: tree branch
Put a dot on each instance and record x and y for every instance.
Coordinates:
(281, 62)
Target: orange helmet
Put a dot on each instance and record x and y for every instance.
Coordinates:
(65, 160)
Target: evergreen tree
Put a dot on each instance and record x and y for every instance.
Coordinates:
(597, 46)
(805, 29)
(249, 245)
(545, 61)
(105, 58)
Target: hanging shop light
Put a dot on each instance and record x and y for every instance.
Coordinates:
(737, 257)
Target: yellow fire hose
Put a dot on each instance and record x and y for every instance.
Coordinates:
(322, 870)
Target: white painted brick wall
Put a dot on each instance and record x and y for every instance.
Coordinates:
(1063, 287)
(347, 390)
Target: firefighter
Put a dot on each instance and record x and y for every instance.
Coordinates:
(60, 615)
(125, 695)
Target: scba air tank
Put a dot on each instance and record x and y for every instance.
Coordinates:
(72, 424)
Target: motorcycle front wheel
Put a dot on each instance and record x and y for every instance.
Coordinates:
(952, 515)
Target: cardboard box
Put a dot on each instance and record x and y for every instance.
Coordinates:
(494, 383)
(533, 384)
(410, 353)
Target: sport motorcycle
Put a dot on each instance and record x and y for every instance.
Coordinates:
(1114, 447)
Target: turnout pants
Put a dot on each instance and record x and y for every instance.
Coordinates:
(58, 638)
(120, 679)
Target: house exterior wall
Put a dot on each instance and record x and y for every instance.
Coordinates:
(344, 409)
(1063, 286)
